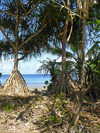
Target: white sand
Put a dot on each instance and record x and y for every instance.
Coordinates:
(41, 87)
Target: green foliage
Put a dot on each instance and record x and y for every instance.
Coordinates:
(43, 119)
(46, 82)
(53, 68)
(54, 119)
(94, 68)
(98, 126)
(27, 26)
(41, 98)
(0, 74)
(50, 87)
(8, 107)
(16, 98)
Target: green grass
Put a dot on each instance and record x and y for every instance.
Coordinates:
(54, 119)
(8, 107)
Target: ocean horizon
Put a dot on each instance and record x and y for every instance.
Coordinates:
(32, 80)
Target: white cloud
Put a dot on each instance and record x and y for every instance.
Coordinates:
(27, 67)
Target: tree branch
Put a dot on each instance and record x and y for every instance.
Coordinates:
(71, 27)
(29, 38)
(22, 6)
(63, 6)
(28, 51)
(8, 13)
(7, 38)
(29, 12)
(63, 2)
(21, 58)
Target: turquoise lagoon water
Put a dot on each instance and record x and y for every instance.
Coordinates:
(32, 80)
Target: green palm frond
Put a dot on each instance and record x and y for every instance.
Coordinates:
(58, 51)
(95, 49)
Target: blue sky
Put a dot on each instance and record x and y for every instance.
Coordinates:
(25, 67)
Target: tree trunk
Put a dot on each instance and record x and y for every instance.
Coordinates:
(16, 61)
(15, 84)
(77, 114)
(79, 101)
(62, 83)
(79, 75)
(64, 38)
(83, 54)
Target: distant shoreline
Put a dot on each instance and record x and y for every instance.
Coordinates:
(28, 74)
(40, 87)
(32, 80)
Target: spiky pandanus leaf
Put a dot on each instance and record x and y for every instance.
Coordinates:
(16, 24)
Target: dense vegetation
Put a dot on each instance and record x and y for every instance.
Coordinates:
(31, 27)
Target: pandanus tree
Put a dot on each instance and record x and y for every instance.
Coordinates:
(19, 26)
(81, 10)
(59, 32)
(84, 7)
(93, 54)
(62, 30)
(64, 38)
(52, 67)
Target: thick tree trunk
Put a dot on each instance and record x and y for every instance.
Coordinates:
(15, 84)
(77, 114)
(16, 60)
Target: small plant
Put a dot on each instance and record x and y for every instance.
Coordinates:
(32, 99)
(46, 83)
(41, 98)
(62, 94)
(54, 119)
(63, 103)
(59, 105)
(16, 98)
(43, 119)
(44, 87)
(7, 107)
(98, 126)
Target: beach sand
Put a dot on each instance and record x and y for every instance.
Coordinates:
(39, 87)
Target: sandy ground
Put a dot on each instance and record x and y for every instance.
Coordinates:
(40, 88)
(24, 120)
(29, 114)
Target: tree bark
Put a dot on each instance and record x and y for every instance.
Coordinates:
(83, 54)
(62, 83)
(16, 39)
(16, 61)
(80, 96)
(16, 85)
(64, 38)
